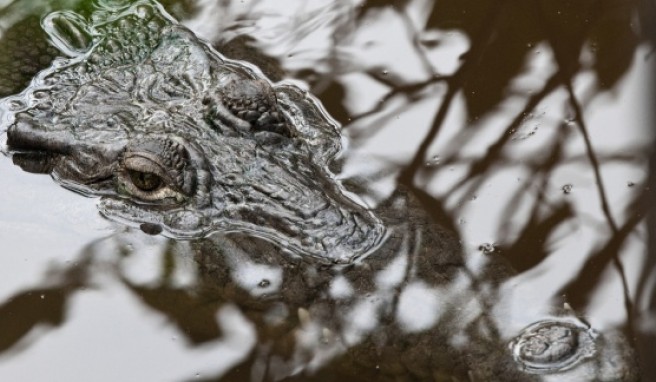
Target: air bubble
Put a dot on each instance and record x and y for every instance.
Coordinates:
(567, 189)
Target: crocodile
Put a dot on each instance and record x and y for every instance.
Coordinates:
(178, 140)
(149, 98)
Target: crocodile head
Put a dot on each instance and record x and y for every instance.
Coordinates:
(175, 137)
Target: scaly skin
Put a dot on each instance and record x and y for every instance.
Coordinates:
(256, 155)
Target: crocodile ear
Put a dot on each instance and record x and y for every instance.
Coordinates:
(311, 121)
(68, 32)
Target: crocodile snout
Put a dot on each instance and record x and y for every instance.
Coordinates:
(24, 136)
(43, 151)
(33, 150)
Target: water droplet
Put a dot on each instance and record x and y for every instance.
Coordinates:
(567, 188)
(197, 375)
(43, 296)
(264, 283)
(326, 335)
(630, 184)
(385, 72)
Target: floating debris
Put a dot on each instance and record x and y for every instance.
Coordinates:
(552, 346)
(487, 248)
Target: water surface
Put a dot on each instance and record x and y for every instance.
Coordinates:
(525, 128)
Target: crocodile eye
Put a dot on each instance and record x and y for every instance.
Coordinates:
(155, 171)
(145, 181)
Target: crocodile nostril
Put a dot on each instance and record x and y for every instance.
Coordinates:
(17, 136)
(14, 137)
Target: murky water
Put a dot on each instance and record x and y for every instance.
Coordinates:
(523, 127)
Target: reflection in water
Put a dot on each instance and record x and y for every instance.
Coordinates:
(486, 112)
